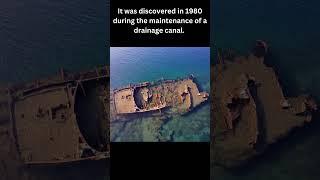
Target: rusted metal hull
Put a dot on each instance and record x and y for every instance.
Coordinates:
(43, 116)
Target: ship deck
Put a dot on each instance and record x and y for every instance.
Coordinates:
(34, 132)
(45, 121)
(273, 122)
(46, 127)
(162, 94)
(124, 101)
(277, 121)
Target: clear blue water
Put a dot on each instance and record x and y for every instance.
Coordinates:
(137, 64)
(291, 29)
(134, 65)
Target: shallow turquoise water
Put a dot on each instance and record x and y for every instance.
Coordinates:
(134, 65)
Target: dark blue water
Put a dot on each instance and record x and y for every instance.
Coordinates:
(37, 37)
(291, 28)
(136, 65)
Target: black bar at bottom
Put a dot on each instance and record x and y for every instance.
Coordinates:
(160, 161)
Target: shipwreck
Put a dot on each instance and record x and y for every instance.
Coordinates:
(61, 119)
(181, 94)
(250, 110)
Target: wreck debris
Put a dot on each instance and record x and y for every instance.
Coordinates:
(183, 94)
(250, 110)
(45, 118)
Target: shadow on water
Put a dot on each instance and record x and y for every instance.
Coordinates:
(134, 116)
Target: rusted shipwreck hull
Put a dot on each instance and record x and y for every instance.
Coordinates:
(250, 110)
(182, 94)
(45, 117)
